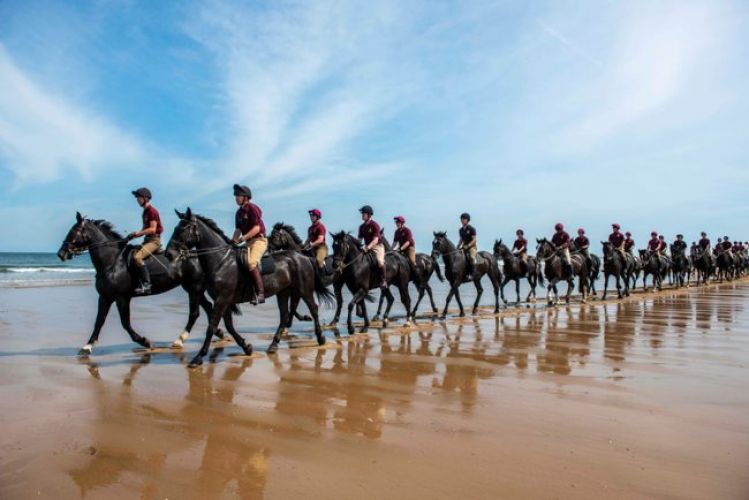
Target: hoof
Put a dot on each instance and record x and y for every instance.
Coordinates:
(385, 322)
(462, 314)
(435, 310)
(85, 350)
(443, 317)
(364, 329)
(407, 324)
(248, 350)
(272, 349)
(496, 311)
(376, 317)
(320, 340)
(196, 362)
(351, 330)
(177, 344)
(284, 331)
(147, 344)
(333, 323)
(220, 333)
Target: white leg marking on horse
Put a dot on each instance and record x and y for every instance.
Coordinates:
(88, 348)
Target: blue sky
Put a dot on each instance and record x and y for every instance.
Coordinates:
(522, 113)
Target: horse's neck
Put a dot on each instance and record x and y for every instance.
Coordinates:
(291, 244)
(450, 255)
(103, 250)
(210, 240)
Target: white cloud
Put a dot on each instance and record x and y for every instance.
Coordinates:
(43, 136)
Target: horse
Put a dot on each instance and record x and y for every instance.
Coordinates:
(228, 282)
(725, 265)
(635, 270)
(116, 279)
(515, 269)
(681, 269)
(420, 275)
(554, 270)
(655, 265)
(354, 267)
(456, 272)
(703, 264)
(594, 269)
(617, 265)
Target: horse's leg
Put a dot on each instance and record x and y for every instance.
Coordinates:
(618, 287)
(479, 292)
(123, 307)
(460, 302)
(390, 299)
(101, 315)
(605, 284)
(505, 280)
(379, 306)
(405, 300)
(431, 297)
(358, 297)
(194, 312)
(283, 312)
(448, 299)
(338, 290)
(314, 311)
(421, 289)
(495, 286)
(294, 312)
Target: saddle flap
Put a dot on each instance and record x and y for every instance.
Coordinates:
(267, 264)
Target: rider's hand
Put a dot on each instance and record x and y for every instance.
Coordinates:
(366, 249)
(131, 236)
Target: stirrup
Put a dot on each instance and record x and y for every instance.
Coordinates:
(143, 289)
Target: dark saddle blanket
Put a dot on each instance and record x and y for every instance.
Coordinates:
(157, 263)
(267, 264)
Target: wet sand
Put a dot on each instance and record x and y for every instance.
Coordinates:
(639, 399)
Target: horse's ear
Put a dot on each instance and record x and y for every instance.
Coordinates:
(189, 214)
(538, 241)
(78, 217)
(603, 242)
(434, 233)
(500, 241)
(179, 214)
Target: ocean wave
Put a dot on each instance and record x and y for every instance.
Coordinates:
(43, 283)
(45, 269)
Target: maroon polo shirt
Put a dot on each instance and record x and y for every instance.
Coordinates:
(248, 216)
(150, 214)
(403, 236)
(368, 231)
(315, 231)
(616, 239)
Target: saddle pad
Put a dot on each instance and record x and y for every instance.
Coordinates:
(267, 264)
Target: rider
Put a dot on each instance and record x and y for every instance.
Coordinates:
(726, 246)
(249, 227)
(680, 244)
(582, 243)
(617, 240)
(468, 241)
(664, 245)
(704, 242)
(561, 241)
(152, 230)
(369, 232)
(520, 247)
(654, 245)
(316, 237)
(629, 243)
(403, 240)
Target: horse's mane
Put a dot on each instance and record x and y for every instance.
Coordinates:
(212, 224)
(440, 234)
(107, 228)
(341, 235)
(281, 226)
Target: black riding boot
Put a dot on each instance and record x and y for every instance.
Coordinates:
(257, 280)
(145, 281)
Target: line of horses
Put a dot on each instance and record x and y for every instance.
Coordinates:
(206, 263)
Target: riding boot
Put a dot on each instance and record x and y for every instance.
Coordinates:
(145, 281)
(257, 280)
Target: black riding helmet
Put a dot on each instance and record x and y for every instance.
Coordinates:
(366, 209)
(465, 215)
(143, 192)
(242, 191)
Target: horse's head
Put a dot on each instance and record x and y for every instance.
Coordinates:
(77, 240)
(185, 235)
(440, 244)
(500, 249)
(281, 237)
(544, 248)
(607, 248)
(345, 247)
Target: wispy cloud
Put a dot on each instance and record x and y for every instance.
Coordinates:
(43, 136)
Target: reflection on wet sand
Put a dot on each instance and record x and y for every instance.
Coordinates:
(600, 396)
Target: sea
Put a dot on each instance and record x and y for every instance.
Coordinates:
(19, 269)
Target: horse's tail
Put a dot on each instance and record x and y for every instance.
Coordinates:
(324, 295)
(438, 270)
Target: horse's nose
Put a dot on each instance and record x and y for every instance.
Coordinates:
(61, 254)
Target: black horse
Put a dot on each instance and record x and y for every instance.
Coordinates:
(354, 267)
(456, 271)
(681, 268)
(116, 278)
(514, 269)
(725, 265)
(617, 265)
(420, 275)
(555, 271)
(636, 269)
(703, 264)
(294, 276)
(655, 265)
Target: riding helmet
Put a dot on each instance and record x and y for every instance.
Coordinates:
(316, 213)
(242, 191)
(399, 218)
(366, 209)
(653, 233)
(616, 226)
(558, 226)
(143, 192)
(581, 231)
(466, 216)
(519, 232)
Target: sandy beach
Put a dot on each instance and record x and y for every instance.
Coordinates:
(646, 398)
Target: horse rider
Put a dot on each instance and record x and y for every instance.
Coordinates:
(726, 246)
(617, 240)
(582, 243)
(680, 244)
(467, 242)
(664, 245)
(152, 230)
(704, 242)
(629, 243)
(315, 241)
(561, 240)
(369, 233)
(249, 228)
(654, 245)
(520, 249)
(403, 240)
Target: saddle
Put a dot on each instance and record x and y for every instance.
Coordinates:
(267, 263)
(157, 263)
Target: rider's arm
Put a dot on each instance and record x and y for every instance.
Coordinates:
(148, 231)
(319, 241)
(473, 242)
(373, 243)
(254, 231)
